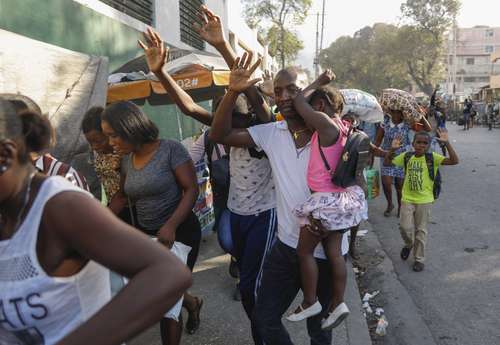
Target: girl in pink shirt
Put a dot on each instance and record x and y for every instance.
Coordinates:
(331, 210)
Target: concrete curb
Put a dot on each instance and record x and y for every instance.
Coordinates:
(357, 328)
(406, 325)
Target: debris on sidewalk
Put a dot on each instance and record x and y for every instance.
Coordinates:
(368, 296)
(367, 308)
(382, 326)
(362, 233)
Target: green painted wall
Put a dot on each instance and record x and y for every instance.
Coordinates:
(70, 25)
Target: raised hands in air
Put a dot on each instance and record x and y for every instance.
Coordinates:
(241, 72)
(155, 51)
(326, 77)
(210, 27)
(442, 135)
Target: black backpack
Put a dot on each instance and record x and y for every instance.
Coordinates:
(429, 161)
(219, 172)
(354, 159)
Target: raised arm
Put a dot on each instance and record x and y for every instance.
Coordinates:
(323, 79)
(443, 137)
(222, 131)
(211, 30)
(433, 97)
(156, 54)
(424, 122)
(319, 121)
(87, 230)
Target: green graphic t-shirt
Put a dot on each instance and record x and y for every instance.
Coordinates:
(418, 186)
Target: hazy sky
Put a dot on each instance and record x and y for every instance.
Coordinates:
(345, 17)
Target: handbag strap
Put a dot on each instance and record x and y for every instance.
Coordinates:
(323, 157)
(217, 151)
(322, 154)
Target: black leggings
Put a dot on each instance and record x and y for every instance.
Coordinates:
(188, 233)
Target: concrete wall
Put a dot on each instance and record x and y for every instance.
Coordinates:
(168, 24)
(91, 27)
(242, 36)
(473, 64)
(473, 41)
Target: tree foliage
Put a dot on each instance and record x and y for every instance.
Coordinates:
(433, 16)
(423, 41)
(275, 18)
(366, 60)
(390, 56)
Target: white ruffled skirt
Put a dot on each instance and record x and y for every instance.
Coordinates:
(336, 211)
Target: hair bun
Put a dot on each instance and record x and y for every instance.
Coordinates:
(37, 131)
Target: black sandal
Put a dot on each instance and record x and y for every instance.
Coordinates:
(387, 212)
(193, 321)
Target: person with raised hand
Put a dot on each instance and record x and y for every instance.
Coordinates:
(211, 30)
(420, 189)
(252, 199)
(56, 245)
(287, 144)
(331, 207)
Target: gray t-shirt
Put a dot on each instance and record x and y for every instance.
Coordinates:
(154, 189)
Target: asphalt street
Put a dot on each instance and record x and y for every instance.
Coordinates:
(457, 295)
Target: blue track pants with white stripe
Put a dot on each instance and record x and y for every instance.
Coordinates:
(253, 237)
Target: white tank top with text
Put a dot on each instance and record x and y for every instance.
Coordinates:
(36, 309)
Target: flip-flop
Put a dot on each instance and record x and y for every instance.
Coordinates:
(193, 321)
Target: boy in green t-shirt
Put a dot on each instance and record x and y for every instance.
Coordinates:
(418, 195)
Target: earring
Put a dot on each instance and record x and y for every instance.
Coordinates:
(3, 168)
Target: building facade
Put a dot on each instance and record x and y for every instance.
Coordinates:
(111, 28)
(469, 60)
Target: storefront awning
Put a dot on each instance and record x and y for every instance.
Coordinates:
(203, 76)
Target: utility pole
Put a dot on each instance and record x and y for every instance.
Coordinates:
(455, 42)
(322, 26)
(316, 54)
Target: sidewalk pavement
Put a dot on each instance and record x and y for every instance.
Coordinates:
(223, 321)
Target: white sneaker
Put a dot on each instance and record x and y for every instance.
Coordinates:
(336, 317)
(314, 309)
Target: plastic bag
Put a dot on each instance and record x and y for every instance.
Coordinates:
(382, 326)
(181, 251)
(372, 183)
(362, 104)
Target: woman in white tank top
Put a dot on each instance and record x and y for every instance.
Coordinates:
(55, 242)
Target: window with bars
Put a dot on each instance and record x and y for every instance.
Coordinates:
(188, 15)
(139, 9)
